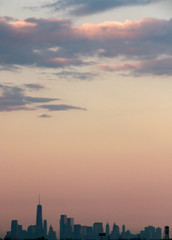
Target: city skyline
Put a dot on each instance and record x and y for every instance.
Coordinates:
(68, 229)
(86, 111)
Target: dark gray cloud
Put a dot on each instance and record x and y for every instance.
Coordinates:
(13, 98)
(61, 107)
(56, 43)
(80, 7)
(30, 43)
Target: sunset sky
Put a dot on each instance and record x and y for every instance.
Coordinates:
(86, 111)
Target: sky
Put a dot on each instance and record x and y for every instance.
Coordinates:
(86, 111)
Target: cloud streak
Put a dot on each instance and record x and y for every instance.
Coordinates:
(159, 67)
(34, 86)
(77, 75)
(61, 107)
(14, 98)
(80, 7)
(44, 116)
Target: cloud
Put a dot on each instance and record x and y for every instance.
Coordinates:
(56, 43)
(80, 7)
(29, 41)
(39, 99)
(45, 116)
(61, 107)
(159, 67)
(13, 98)
(10, 67)
(34, 86)
(77, 75)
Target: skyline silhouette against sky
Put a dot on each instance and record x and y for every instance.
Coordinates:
(68, 229)
(86, 111)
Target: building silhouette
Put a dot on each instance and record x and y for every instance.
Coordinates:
(166, 232)
(63, 226)
(39, 228)
(98, 228)
(45, 229)
(37, 231)
(107, 230)
(51, 234)
(71, 231)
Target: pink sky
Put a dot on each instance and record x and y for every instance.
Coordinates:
(85, 105)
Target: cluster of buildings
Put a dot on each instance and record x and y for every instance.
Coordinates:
(71, 231)
(33, 231)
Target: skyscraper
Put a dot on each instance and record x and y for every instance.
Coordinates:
(45, 229)
(107, 230)
(77, 231)
(14, 229)
(123, 235)
(115, 232)
(51, 234)
(63, 226)
(98, 228)
(70, 227)
(39, 229)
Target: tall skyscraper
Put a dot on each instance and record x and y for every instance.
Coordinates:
(39, 216)
(39, 229)
(107, 230)
(63, 226)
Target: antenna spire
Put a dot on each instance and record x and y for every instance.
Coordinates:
(39, 198)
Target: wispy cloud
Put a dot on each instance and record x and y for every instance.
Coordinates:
(159, 67)
(34, 86)
(45, 116)
(77, 75)
(80, 7)
(61, 107)
(14, 98)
